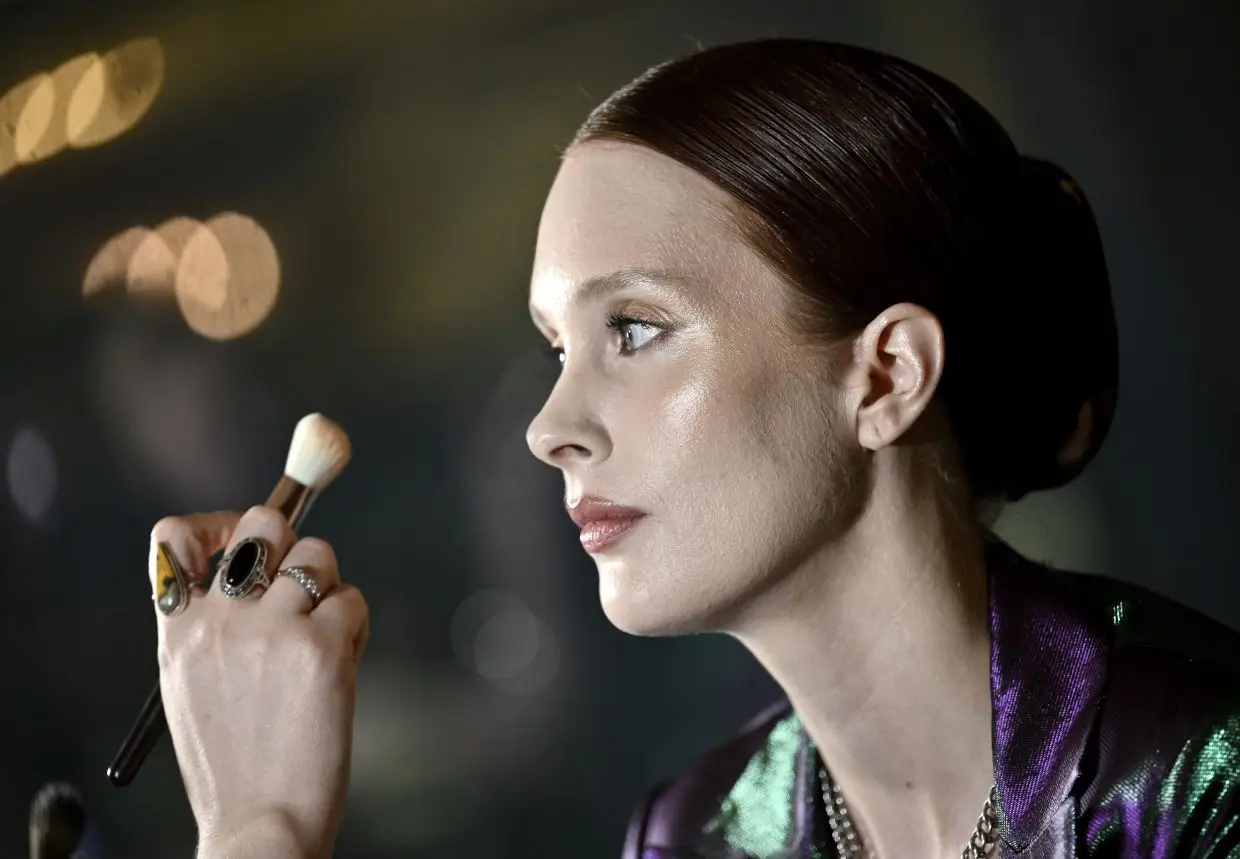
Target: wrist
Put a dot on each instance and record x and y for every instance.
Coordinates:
(272, 836)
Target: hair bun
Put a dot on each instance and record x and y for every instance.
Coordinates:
(1068, 337)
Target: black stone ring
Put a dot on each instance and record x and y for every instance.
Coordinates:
(243, 569)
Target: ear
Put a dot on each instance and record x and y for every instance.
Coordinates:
(898, 362)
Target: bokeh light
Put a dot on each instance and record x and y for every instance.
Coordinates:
(12, 106)
(31, 472)
(153, 266)
(42, 127)
(115, 93)
(228, 278)
(225, 273)
(499, 638)
(86, 101)
(110, 267)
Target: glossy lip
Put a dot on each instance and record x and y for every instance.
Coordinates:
(602, 521)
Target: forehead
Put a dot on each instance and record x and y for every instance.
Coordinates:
(618, 207)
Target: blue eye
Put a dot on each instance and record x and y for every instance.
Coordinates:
(635, 333)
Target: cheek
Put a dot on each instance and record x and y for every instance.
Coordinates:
(743, 455)
(775, 453)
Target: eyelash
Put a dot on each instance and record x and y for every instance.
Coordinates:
(615, 322)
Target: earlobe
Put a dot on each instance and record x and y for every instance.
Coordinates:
(901, 355)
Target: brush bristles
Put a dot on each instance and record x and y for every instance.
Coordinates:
(318, 453)
(57, 822)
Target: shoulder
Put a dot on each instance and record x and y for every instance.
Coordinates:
(1141, 619)
(707, 811)
(1164, 769)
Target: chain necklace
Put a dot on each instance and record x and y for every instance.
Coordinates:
(848, 841)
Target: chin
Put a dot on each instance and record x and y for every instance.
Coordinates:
(637, 605)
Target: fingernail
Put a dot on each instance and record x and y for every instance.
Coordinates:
(171, 585)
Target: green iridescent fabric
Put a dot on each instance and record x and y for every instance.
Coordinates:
(1116, 733)
(757, 818)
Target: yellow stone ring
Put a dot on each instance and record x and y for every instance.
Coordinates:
(172, 586)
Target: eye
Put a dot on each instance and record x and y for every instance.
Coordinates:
(634, 333)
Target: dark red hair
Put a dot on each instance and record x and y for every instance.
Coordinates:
(868, 181)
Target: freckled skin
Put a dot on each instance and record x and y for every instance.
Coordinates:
(725, 428)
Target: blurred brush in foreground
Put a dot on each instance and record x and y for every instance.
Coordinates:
(57, 822)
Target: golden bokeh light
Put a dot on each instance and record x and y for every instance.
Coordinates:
(42, 128)
(88, 100)
(110, 267)
(12, 106)
(229, 277)
(115, 93)
(225, 273)
(203, 272)
(153, 265)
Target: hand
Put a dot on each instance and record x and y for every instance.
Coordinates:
(259, 692)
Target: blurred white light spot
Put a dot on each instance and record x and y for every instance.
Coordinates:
(503, 642)
(506, 644)
(31, 474)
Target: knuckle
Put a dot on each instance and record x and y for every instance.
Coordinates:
(183, 644)
(170, 525)
(267, 519)
(355, 602)
(318, 549)
(316, 655)
(196, 638)
(164, 656)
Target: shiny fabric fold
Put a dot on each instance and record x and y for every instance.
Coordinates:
(1116, 727)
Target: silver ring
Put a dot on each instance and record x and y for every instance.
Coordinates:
(302, 576)
(243, 569)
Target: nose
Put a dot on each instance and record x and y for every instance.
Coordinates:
(567, 429)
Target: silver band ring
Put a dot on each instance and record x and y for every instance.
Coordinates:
(303, 577)
(243, 569)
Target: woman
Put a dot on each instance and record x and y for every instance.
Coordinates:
(817, 321)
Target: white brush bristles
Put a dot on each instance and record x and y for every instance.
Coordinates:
(318, 453)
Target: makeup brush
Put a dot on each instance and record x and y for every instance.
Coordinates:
(57, 822)
(319, 451)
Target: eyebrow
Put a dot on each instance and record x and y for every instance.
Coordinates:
(601, 285)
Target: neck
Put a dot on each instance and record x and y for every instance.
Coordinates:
(882, 644)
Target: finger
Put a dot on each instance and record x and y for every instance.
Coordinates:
(271, 529)
(317, 558)
(185, 544)
(345, 613)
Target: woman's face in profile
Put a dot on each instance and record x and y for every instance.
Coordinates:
(682, 393)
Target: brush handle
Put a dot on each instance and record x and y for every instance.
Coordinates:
(292, 499)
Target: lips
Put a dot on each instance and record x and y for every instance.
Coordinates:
(603, 522)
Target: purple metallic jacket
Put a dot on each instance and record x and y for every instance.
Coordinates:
(1116, 719)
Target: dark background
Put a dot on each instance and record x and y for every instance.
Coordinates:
(397, 153)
